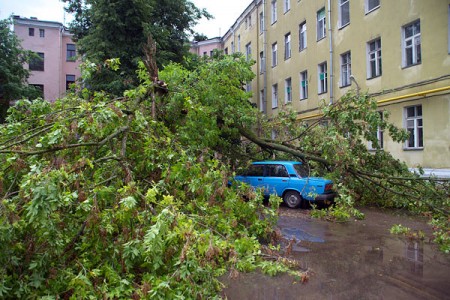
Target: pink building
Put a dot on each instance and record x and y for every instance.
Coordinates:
(51, 41)
(205, 48)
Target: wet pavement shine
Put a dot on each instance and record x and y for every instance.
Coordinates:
(357, 260)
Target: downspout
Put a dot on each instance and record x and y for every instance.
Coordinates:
(61, 73)
(265, 59)
(330, 39)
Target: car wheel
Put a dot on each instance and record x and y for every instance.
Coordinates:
(292, 199)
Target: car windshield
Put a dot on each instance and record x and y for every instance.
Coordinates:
(301, 170)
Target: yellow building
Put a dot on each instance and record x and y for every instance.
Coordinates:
(307, 51)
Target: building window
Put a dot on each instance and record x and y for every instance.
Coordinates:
(411, 44)
(321, 24)
(261, 100)
(37, 63)
(226, 51)
(287, 5)
(303, 85)
(70, 79)
(288, 91)
(232, 47)
(248, 51)
(346, 68)
(205, 53)
(31, 31)
(274, 11)
(246, 23)
(261, 22)
(287, 46)
(379, 136)
(371, 5)
(374, 58)
(71, 52)
(250, 21)
(302, 36)
(275, 96)
(239, 43)
(414, 126)
(322, 77)
(274, 55)
(41, 33)
(262, 59)
(248, 86)
(344, 12)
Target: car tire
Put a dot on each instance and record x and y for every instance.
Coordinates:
(292, 199)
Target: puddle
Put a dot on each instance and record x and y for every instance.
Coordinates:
(361, 260)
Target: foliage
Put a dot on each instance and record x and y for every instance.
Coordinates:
(128, 197)
(100, 200)
(13, 75)
(120, 29)
(399, 229)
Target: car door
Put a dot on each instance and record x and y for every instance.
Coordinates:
(276, 179)
(254, 176)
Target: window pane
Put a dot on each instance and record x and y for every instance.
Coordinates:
(419, 110)
(420, 136)
(410, 112)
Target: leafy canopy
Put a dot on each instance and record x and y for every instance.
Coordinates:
(120, 29)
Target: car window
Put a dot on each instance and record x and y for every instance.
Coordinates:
(255, 170)
(277, 171)
(302, 170)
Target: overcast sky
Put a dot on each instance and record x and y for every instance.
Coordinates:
(225, 12)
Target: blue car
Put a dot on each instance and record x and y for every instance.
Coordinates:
(289, 180)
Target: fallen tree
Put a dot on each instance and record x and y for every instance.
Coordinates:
(127, 197)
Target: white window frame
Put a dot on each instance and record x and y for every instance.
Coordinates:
(322, 78)
(371, 5)
(302, 36)
(261, 22)
(346, 68)
(344, 13)
(412, 43)
(248, 86)
(414, 125)
(274, 96)
(304, 85)
(273, 11)
(374, 62)
(239, 43)
(288, 90)
(287, 46)
(287, 5)
(321, 24)
(248, 51)
(262, 64)
(274, 55)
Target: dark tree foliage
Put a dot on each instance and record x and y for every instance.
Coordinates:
(13, 75)
(120, 28)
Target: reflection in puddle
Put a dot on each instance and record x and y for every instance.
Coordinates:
(352, 261)
(300, 235)
(414, 254)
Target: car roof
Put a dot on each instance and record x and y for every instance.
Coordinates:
(276, 162)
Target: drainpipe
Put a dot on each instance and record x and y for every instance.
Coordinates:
(265, 59)
(331, 53)
(60, 62)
